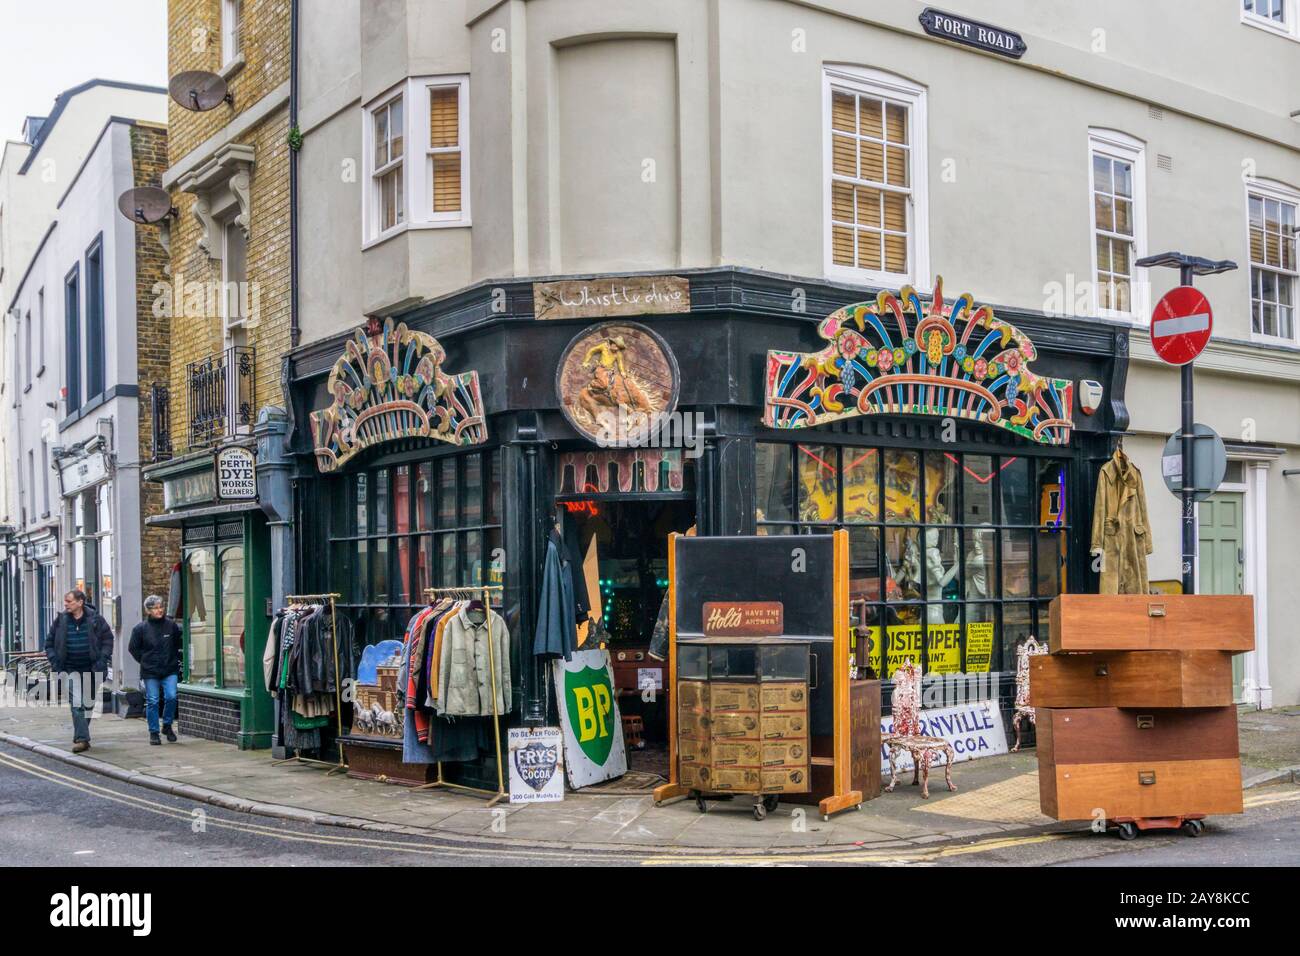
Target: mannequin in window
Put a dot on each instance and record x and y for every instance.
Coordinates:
(936, 577)
(977, 568)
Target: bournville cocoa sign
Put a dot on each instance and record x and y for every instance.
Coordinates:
(982, 36)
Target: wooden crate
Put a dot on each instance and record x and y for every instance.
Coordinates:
(1156, 788)
(1112, 734)
(1137, 622)
(1131, 679)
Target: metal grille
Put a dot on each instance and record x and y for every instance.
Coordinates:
(161, 417)
(221, 396)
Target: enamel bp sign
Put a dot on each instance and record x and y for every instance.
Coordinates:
(589, 716)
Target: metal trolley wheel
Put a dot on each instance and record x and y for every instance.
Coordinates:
(699, 801)
(1127, 831)
(1193, 828)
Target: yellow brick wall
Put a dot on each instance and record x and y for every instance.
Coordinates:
(194, 38)
(158, 546)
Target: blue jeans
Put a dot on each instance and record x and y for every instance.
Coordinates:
(151, 687)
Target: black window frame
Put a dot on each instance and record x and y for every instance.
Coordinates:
(96, 358)
(996, 600)
(72, 337)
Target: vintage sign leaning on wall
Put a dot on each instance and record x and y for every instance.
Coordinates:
(389, 384)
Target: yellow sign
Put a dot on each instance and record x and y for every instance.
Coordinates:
(979, 647)
(943, 647)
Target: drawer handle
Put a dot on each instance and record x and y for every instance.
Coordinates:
(1146, 778)
(1146, 721)
(1155, 610)
(1103, 670)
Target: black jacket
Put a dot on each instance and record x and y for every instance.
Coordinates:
(157, 649)
(101, 642)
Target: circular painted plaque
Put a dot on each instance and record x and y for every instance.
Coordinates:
(616, 382)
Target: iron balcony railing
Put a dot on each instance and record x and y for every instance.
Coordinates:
(160, 407)
(221, 396)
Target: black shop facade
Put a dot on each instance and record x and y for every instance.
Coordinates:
(957, 442)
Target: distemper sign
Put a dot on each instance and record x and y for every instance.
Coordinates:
(974, 730)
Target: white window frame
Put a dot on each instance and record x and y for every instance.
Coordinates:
(231, 325)
(417, 176)
(1289, 27)
(232, 39)
(1113, 144)
(887, 86)
(1279, 192)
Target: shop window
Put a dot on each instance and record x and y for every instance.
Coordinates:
(1273, 219)
(959, 537)
(200, 617)
(233, 633)
(433, 523)
(1118, 178)
(875, 177)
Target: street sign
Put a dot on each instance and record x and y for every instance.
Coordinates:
(1181, 324)
(1209, 463)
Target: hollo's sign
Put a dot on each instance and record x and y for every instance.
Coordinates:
(743, 618)
(973, 33)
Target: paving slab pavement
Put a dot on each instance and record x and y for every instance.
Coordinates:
(995, 795)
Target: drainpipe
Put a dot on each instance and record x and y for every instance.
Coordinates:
(295, 331)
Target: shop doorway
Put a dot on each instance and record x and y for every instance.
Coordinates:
(1222, 557)
(624, 546)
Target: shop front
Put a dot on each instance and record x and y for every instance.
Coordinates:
(957, 444)
(220, 595)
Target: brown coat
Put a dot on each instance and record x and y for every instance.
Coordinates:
(1121, 532)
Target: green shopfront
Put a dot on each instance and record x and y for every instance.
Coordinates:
(220, 593)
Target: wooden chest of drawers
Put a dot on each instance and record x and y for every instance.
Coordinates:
(1140, 622)
(1142, 762)
(1131, 679)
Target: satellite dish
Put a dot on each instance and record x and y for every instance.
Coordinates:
(146, 204)
(199, 90)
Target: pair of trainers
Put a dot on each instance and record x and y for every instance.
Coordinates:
(167, 732)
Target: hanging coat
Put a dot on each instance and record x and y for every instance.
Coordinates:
(1121, 531)
(557, 631)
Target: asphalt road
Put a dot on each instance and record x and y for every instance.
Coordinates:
(54, 814)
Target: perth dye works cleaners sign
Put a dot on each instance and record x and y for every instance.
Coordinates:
(536, 765)
(981, 36)
(589, 716)
(236, 474)
(974, 730)
(743, 619)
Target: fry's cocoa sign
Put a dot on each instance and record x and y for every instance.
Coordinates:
(743, 618)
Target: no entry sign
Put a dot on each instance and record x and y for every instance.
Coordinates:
(1181, 324)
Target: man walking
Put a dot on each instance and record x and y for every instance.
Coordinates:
(156, 645)
(79, 647)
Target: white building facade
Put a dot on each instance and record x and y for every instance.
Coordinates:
(71, 331)
(873, 145)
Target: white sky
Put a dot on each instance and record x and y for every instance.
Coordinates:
(47, 46)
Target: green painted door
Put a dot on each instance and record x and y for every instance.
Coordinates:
(1222, 554)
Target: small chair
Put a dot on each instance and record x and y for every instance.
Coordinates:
(906, 735)
(1026, 650)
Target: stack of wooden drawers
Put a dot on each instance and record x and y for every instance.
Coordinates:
(1134, 706)
(743, 737)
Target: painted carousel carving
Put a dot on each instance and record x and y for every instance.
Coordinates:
(389, 384)
(893, 356)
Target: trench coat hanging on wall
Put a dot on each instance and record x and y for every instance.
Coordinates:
(1121, 532)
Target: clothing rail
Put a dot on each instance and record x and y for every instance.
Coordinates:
(501, 793)
(338, 684)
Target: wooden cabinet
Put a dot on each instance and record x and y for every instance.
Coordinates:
(1131, 679)
(1134, 708)
(742, 715)
(1148, 622)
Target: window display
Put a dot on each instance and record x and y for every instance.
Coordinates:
(932, 572)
